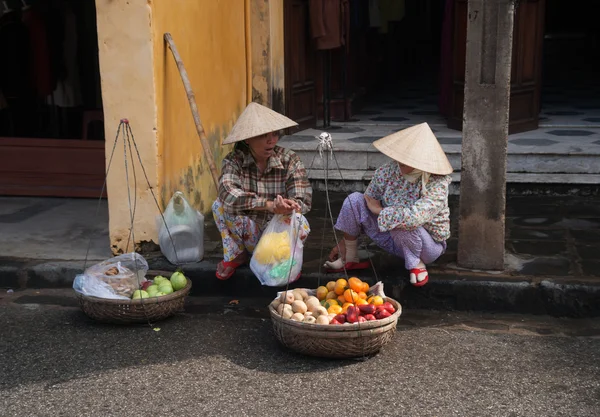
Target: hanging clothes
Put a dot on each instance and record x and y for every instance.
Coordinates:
(40, 69)
(390, 11)
(68, 89)
(330, 23)
(374, 14)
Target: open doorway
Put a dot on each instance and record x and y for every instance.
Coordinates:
(571, 86)
(51, 120)
(401, 56)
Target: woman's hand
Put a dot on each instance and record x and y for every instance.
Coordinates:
(373, 205)
(283, 206)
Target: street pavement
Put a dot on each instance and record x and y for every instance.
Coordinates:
(221, 359)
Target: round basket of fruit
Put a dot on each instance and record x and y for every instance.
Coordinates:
(344, 319)
(155, 300)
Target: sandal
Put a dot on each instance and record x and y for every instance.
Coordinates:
(351, 266)
(228, 264)
(416, 272)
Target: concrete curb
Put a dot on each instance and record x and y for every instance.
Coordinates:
(446, 290)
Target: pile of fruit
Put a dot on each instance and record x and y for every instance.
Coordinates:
(338, 302)
(160, 286)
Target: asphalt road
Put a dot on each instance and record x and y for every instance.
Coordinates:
(222, 360)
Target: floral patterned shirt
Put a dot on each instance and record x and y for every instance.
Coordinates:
(406, 207)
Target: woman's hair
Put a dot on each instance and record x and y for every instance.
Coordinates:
(243, 146)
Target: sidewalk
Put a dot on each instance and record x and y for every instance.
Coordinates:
(552, 256)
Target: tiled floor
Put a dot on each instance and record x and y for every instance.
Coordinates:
(569, 121)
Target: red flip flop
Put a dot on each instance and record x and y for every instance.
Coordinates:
(228, 264)
(351, 266)
(418, 271)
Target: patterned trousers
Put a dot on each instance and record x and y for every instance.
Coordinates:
(241, 233)
(411, 245)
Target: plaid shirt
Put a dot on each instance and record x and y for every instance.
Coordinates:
(243, 188)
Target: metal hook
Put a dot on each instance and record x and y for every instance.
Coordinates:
(325, 144)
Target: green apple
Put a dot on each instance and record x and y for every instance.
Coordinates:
(137, 294)
(158, 294)
(158, 279)
(165, 287)
(152, 289)
(178, 281)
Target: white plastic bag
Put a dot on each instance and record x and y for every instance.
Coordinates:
(185, 225)
(115, 278)
(277, 259)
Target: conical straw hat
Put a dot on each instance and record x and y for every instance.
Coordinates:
(416, 147)
(257, 120)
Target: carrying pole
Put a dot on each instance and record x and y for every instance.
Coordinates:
(192, 99)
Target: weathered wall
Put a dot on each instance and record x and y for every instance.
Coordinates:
(125, 52)
(261, 51)
(276, 41)
(211, 39)
(267, 53)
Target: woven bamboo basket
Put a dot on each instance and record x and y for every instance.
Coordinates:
(134, 311)
(328, 341)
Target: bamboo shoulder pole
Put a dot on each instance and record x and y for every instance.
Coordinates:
(192, 99)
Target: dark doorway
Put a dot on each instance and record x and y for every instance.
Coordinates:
(51, 119)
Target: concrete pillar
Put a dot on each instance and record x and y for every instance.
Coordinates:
(485, 134)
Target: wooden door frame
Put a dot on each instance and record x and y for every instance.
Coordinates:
(455, 118)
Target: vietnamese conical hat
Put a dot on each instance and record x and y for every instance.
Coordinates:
(416, 147)
(257, 120)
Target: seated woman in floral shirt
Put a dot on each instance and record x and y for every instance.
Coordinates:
(258, 179)
(405, 207)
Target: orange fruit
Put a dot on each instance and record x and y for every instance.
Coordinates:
(341, 299)
(322, 292)
(350, 295)
(339, 289)
(375, 300)
(330, 303)
(360, 301)
(334, 309)
(330, 285)
(330, 295)
(365, 287)
(345, 307)
(355, 284)
(362, 295)
(340, 286)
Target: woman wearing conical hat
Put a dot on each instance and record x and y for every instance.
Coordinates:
(258, 179)
(405, 207)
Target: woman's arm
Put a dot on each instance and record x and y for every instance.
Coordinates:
(423, 211)
(376, 188)
(235, 199)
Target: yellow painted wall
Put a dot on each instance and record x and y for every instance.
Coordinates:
(126, 68)
(141, 82)
(210, 36)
